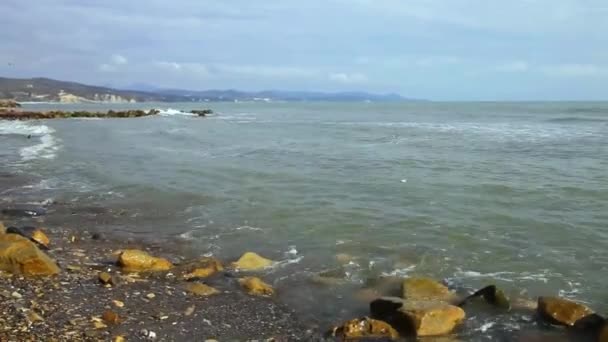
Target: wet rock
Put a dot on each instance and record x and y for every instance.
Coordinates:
(201, 290)
(560, 311)
(417, 318)
(36, 235)
(603, 335)
(133, 260)
(492, 295)
(110, 317)
(255, 286)
(331, 277)
(106, 278)
(19, 255)
(252, 261)
(199, 269)
(24, 211)
(203, 112)
(425, 289)
(364, 328)
(344, 258)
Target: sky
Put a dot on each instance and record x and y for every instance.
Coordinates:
(431, 49)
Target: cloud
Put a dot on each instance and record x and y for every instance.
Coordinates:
(575, 70)
(347, 78)
(515, 66)
(119, 59)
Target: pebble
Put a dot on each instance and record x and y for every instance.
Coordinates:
(118, 303)
(150, 296)
(149, 334)
(16, 295)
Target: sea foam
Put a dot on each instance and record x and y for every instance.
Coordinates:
(46, 147)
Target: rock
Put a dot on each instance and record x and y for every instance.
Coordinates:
(16, 295)
(344, 258)
(203, 112)
(255, 286)
(492, 295)
(24, 211)
(118, 303)
(189, 311)
(603, 336)
(417, 318)
(561, 311)
(252, 261)
(425, 289)
(364, 328)
(18, 255)
(150, 295)
(33, 317)
(35, 235)
(119, 338)
(110, 317)
(201, 290)
(9, 104)
(331, 277)
(133, 260)
(106, 279)
(199, 269)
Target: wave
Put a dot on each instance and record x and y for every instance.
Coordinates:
(574, 119)
(45, 149)
(174, 112)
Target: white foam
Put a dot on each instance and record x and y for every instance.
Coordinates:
(25, 129)
(46, 149)
(173, 112)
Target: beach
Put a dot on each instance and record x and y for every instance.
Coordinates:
(338, 195)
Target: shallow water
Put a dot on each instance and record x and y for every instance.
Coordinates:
(514, 194)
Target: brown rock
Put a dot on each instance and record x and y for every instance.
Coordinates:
(39, 236)
(106, 279)
(201, 289)
(433, 318)
(425, 289)
(364, 328)
(203, 268)
(18, 255)
(603, 337)
(417, 318)
(255, 286)
(133, 260)
(251, 261)
(111, 317)
(561, 311)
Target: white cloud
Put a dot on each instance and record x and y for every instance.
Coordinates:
(119, 59)
(107, 68)
(575, 70)
(347, 78)
(515, 66)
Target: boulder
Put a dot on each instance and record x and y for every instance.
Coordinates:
(425, 289)
(492, 295)
(202, 268)
(134, 260)
(418, 318)
(9, 104)
(19, 255)
(560, 311)
(603, 336)
(201, 289)
(331, 277)
(36, 235)
(252, 261)
(364, 328)
(255, 286)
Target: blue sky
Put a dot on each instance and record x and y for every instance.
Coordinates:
(442, 50)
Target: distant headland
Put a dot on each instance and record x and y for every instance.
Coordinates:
(49, 90)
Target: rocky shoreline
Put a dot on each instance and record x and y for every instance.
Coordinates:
(10, 110)
(65, 284)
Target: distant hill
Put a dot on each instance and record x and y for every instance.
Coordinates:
(45, 89)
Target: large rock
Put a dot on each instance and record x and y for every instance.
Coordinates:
(561, 311)
(425, 289)
(252, 261)
(417, 318)
(201, 289)
(603, 336)
(19, 255)
(198, 269)
(134, 260)
(255, 286)
(364, 328)
(9, 104)
(492, 295)
(35, 234)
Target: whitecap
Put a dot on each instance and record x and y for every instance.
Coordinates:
(174, 112)
(46, 149)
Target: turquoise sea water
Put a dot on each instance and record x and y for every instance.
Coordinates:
(514, 194)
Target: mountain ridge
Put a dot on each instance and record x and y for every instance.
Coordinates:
(42, 89)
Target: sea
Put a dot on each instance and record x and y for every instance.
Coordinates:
(513, 194)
